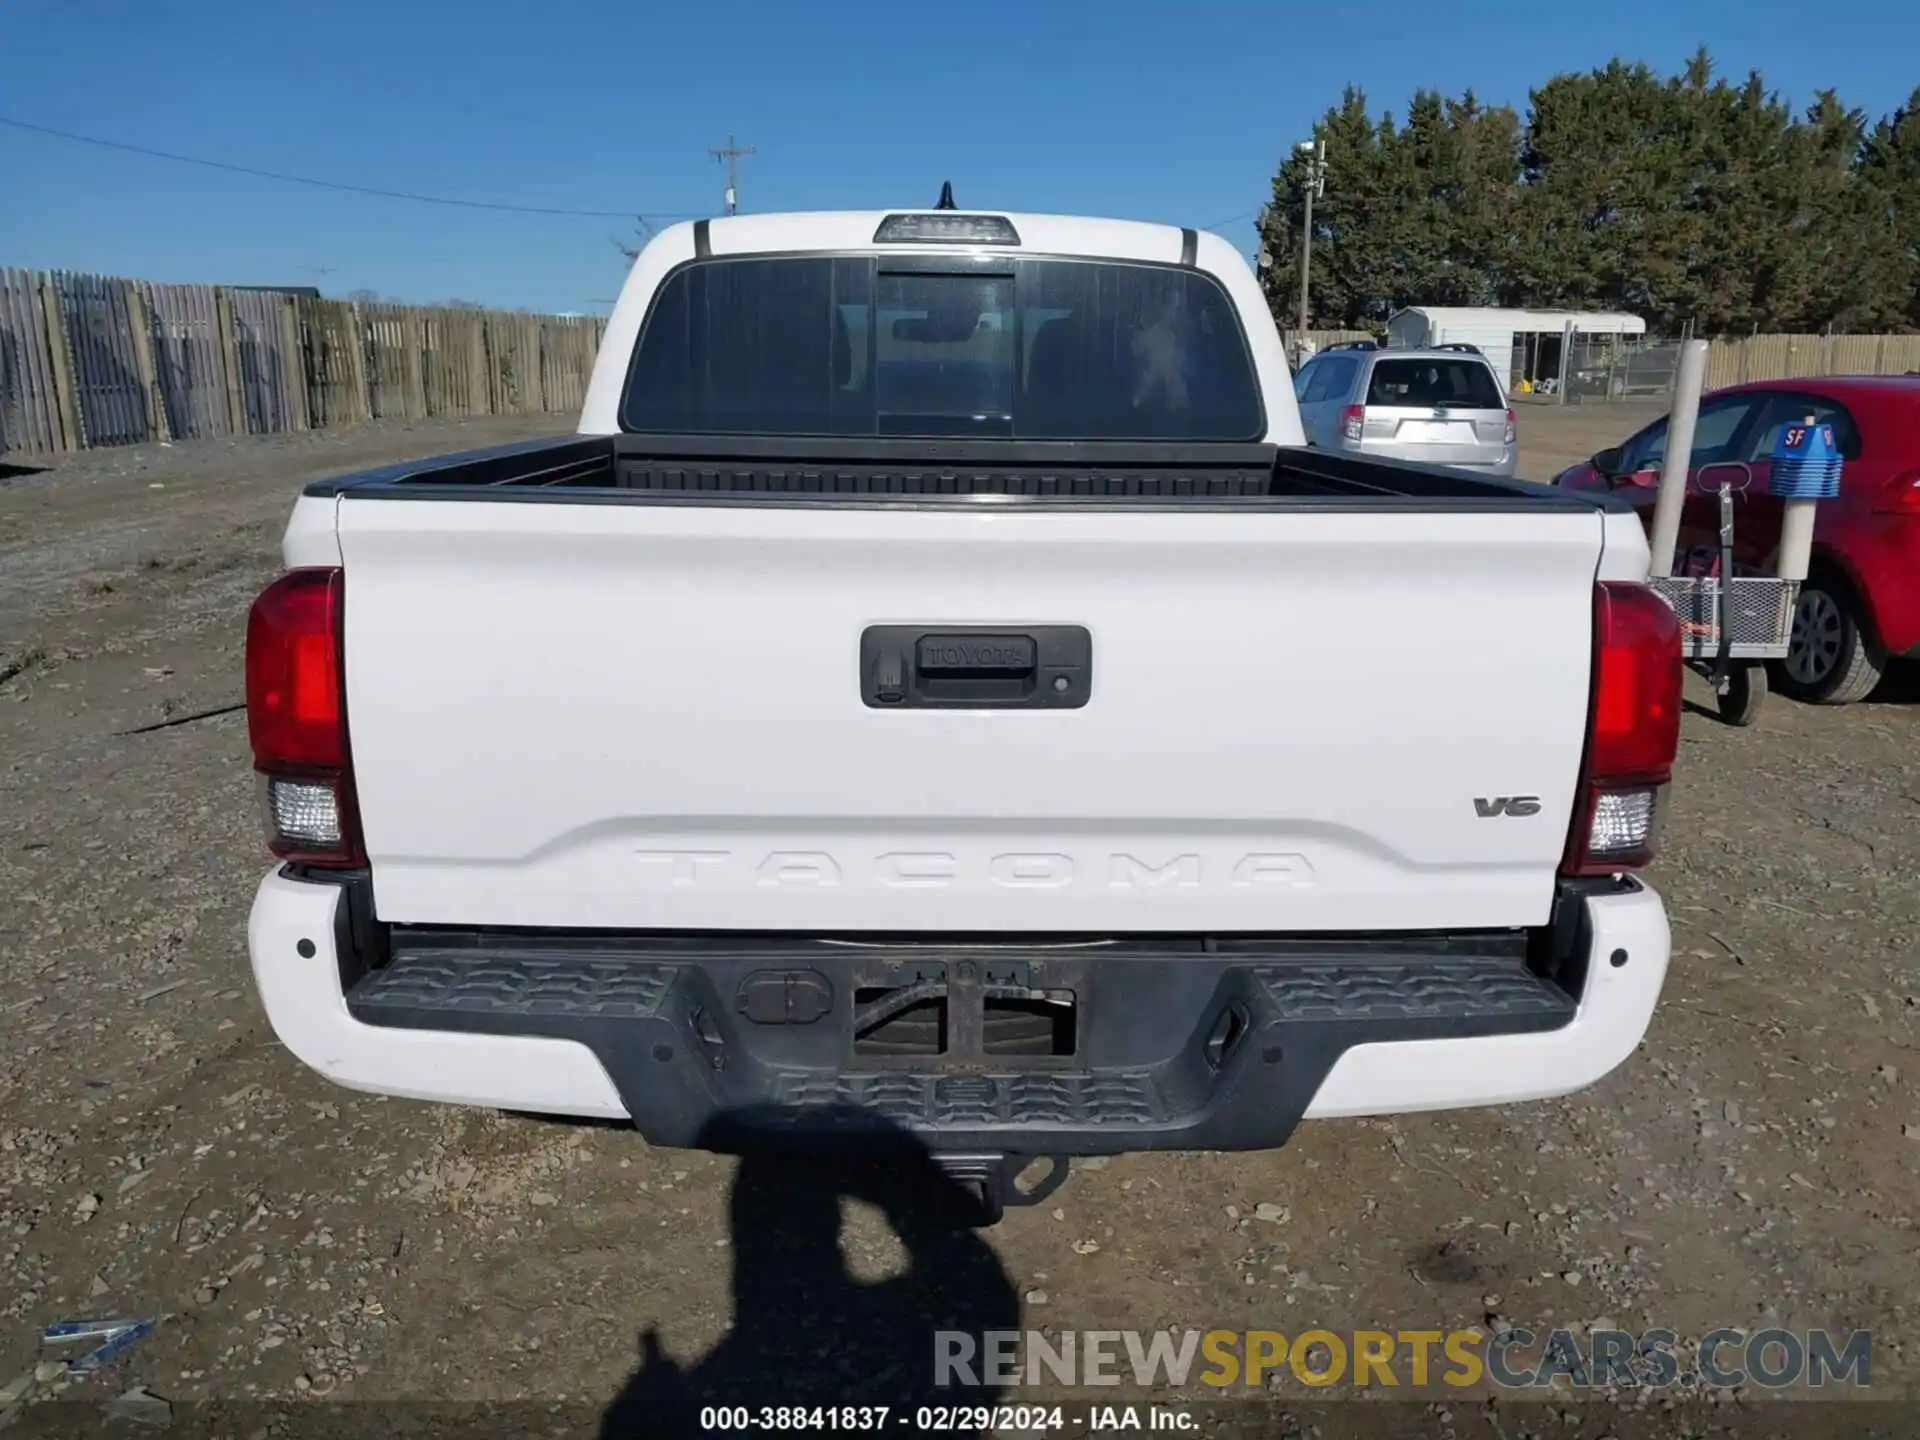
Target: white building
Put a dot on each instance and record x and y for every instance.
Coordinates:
(1515, 342)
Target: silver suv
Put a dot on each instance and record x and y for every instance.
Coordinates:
(1441, 404)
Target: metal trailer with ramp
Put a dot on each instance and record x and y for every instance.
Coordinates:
(1732, 623)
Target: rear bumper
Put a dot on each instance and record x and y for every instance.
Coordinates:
(1219, 1046)
(1504, 466)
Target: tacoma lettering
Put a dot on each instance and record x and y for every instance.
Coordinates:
(943, 870)
(1125, 872)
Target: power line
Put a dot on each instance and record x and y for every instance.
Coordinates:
(1231, 219)
(323, 184)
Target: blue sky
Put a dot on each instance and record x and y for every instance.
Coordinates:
(1164, 111)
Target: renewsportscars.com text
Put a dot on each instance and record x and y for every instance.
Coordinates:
(1510, 1358)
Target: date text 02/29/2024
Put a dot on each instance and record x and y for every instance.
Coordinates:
(938, 1419)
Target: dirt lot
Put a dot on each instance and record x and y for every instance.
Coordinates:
(1754, 1165)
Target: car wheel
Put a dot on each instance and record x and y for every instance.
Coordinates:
(1831, 660)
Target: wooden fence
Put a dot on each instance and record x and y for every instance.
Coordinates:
(89, 360)
(1789, 357)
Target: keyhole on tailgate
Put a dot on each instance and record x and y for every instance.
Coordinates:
(889, 679)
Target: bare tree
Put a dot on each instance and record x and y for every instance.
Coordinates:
(644, 229)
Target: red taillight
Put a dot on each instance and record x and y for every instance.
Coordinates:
(1633, 730)
(293, 673)
(296, 718)
(1512, 421)
(1901, 497)
(1352, 421)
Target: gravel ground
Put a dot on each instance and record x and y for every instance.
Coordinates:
(1753, 1165)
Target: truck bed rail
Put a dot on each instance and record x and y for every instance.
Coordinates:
(785, 471)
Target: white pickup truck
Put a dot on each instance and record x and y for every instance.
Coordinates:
(937, 694)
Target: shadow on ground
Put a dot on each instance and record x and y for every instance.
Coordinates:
(1901, 687)
(805, 1332)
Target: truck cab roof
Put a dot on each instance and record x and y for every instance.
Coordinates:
(841, 230)
(936, 238)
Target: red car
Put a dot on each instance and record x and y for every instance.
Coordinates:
(1860, 604)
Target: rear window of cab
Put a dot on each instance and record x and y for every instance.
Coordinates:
(1036, 349)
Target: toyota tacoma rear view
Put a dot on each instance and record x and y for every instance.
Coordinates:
(937, 693)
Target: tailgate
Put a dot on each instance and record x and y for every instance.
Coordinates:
(639, 715)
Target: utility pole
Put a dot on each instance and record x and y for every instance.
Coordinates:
(1316, 153)
(730, 155)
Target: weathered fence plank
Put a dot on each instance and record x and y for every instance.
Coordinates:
(333, 362)
(229, 361)
(30, 409)
(266, 371)
(298, 400)
(143, 361)
(184, 324)
(65, 388)
(100, 338)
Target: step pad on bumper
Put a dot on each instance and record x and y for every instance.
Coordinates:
(1448, 989)
(506, 982)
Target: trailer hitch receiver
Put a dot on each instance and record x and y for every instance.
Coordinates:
(990, 1183)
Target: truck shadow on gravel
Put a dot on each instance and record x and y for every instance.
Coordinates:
(805, 1331)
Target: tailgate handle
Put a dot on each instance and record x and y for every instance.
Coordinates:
(905, 667)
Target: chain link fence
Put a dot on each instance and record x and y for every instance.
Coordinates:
(1602, 368)
(1621, 367)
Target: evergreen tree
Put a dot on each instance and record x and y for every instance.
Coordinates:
(1420, 209)
(1688, 200)
(1888, 169)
